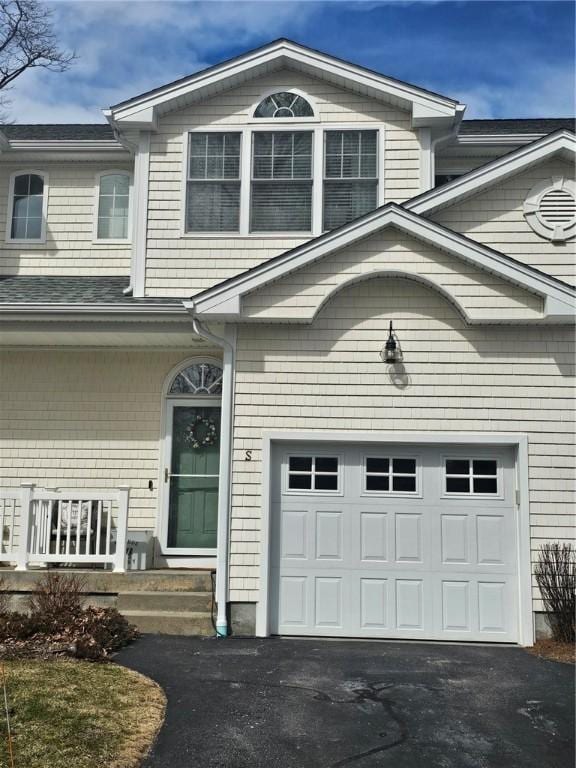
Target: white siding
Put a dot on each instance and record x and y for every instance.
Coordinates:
(179, 265)
(479, 292)
(69, 247)
(85, 419)
(495, 218)
(329, 376)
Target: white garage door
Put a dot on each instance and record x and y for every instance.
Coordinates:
(396, 542)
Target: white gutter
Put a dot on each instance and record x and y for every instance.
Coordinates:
(225, 486)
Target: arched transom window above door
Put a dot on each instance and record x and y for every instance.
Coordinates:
(201, 378)
(283, 104)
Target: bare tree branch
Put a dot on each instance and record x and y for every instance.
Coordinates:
(28, 41)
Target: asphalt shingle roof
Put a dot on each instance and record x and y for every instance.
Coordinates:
(60, 132)
(23, 289)
(529, 125)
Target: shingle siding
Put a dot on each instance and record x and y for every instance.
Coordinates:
(479, 292)
(495, 218)
(85, 419)
(69, 248)
(178, 264)
(329, 376)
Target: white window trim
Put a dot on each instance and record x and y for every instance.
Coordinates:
(287, 491)
(416, 494)
(499, 495)
(246, 131)
(271, 121)
(10, 209)
(112, 240)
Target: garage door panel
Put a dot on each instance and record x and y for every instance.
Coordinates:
(328, 601)
(492, 606)
(294, 535)
(408, 537)
(455, 539)
(374, 604)
(374, 537)
(395, 566)
(456, 606)
(328, 534)
(409, 604)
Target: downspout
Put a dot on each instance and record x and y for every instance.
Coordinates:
(225, 470)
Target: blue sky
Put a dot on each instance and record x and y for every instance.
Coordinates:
(503, 59)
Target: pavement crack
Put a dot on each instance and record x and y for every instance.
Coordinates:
(368, 692)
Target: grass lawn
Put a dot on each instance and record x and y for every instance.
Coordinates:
(74, 714)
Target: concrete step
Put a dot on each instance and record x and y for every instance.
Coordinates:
(181, 602)
(102, 582)
(191, 623)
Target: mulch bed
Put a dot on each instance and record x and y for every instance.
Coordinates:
(554, 651)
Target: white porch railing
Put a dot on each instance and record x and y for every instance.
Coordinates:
(9, 515)
(64, 526)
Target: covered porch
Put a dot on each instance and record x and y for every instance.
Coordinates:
(88, 481)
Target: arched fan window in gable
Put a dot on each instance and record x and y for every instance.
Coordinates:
(284, 104)
(198, 379)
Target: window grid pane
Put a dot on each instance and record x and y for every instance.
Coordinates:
(319, 473)
(284, 104)
(113, 202)
(471, 476)
(281, 187)
(28, 200)
(213, 189)
(385, 474)
(350, 187)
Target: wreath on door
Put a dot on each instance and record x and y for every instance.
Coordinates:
(202, 433)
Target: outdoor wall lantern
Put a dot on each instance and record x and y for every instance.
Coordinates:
(391, 352)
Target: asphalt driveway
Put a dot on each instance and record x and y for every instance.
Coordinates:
(322, 704)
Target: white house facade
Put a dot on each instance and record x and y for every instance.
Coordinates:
(309, 329)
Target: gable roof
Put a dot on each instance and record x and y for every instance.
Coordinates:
(59, 132)
(507, 126)
(562, 142)
(224, 301)
(428, 108)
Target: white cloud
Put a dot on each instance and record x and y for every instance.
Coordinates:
(542, 92)
(125, 48)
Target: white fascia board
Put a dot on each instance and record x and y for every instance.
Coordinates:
(497, 170)
(54, 310)
(499, 139)
(226, 300)
(429, 106)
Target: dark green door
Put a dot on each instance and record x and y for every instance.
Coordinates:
(194, 466)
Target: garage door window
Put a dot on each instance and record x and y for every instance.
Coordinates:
(386, 474)
(313, 473)
(471, 476)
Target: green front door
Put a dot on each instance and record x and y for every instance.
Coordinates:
(193, 477)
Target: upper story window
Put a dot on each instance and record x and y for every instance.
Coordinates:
(27, 206)
(213, 183)
(283, 104)
(281, 194)
(350, 176)
(297, 177)
(113, 205)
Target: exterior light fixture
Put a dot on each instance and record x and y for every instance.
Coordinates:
(391, 352)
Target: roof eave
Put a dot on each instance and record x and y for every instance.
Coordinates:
(428, 109)
(224, 301)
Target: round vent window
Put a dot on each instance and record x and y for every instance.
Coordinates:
(550, 209)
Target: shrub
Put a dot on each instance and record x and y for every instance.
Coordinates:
(57, 597)
(5, 597)
(58, 624)
(556, 577)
